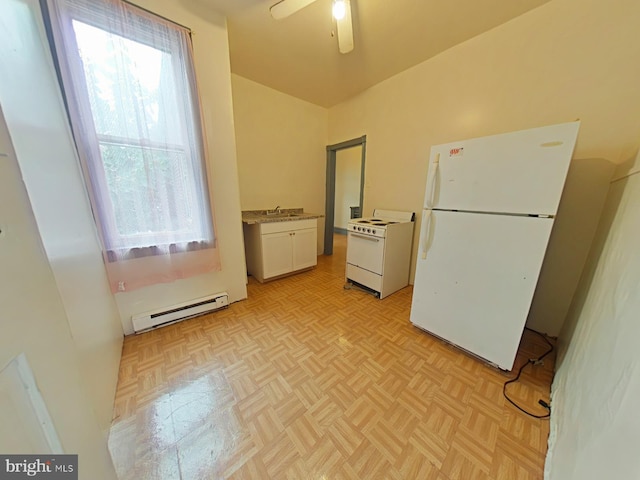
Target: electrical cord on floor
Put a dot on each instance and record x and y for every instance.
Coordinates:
(531, 361)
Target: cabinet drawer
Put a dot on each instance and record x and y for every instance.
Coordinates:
(288, 226)
(364, 277)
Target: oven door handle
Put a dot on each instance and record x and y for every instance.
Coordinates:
(365, 237)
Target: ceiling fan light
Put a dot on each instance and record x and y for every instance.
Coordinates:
(339, 9)
(344, 28)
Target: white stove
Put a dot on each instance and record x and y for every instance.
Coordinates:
(379, 251)
(370, 226)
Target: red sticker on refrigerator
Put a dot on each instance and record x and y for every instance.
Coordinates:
(456, 152)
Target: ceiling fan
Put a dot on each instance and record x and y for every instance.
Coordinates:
(341, 12)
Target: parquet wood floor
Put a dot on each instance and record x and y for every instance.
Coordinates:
(306, 380)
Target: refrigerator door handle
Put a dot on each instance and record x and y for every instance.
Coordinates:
(431, 182)
(426, 232)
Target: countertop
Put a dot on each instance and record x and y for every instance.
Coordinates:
(251, 217)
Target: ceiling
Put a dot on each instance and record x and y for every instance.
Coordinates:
(299, 54)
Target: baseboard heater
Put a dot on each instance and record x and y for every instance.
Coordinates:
(159, 318)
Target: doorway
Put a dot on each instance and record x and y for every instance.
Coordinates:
(345, 187)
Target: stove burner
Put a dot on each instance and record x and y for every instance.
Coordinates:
(377, 222)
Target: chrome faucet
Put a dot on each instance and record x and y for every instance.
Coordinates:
(274, 211)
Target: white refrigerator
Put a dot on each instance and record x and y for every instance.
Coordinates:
(489, 207)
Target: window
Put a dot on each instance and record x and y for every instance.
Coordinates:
(131, 95)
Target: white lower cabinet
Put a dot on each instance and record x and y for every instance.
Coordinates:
(278, 248)
(305, 250)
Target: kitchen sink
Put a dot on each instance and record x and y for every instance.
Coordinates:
(283, 215)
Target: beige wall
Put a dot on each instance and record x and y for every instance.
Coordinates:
(281, 143)
(567, 59)
(595, 426)
(33, 321)
(211, 55)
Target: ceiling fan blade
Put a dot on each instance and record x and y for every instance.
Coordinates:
(284, 8)
(345, 30)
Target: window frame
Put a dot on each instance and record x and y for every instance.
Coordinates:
(94, 165)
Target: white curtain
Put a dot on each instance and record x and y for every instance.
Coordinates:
(132, 99)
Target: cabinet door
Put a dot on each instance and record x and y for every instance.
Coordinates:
(305, 251)
(277, 256)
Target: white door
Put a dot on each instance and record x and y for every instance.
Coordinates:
(475, 285)
(25, 424)
(305, 250)
(277, 253)
(520, 172)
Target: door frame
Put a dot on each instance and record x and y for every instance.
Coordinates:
(330, 201)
